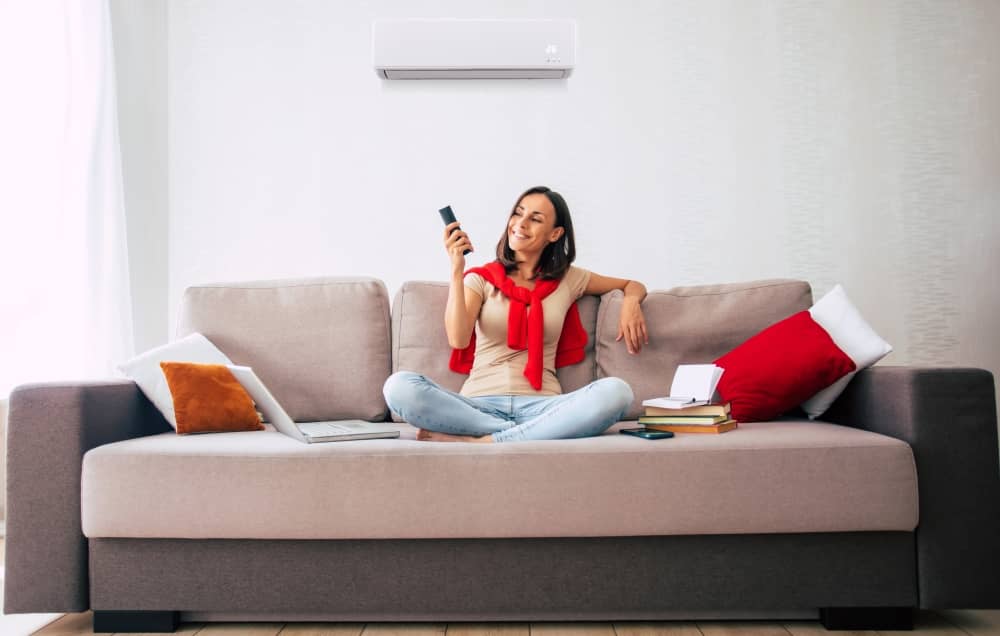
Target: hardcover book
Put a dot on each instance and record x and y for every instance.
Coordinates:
(722, 427)
(695, 420)
(704, 409)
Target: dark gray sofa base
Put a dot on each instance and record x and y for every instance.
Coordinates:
(611, 578)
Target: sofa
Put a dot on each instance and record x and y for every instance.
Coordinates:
(889, 502)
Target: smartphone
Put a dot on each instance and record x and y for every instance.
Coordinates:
(646, 433)
(449, 217)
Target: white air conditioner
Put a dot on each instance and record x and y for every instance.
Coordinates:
(473, 49)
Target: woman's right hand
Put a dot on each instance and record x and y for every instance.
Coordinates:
(456, 242)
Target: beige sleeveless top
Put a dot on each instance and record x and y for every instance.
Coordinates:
(498, 369)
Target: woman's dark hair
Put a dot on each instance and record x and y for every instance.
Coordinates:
(557, 256)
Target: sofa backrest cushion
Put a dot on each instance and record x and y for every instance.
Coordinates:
(689, 325)
(419, 342)
(321, 345)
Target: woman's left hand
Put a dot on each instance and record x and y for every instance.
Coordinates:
(632, 326)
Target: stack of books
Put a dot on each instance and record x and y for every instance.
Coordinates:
(690, 407)
(704, 418)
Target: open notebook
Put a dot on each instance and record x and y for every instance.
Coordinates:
(693, 385)
(308, 432)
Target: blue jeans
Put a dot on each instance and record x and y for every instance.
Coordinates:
(508, 418)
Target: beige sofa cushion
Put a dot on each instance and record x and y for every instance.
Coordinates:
(419, 342)
(688, 325)
(321, 345)
(770, 477)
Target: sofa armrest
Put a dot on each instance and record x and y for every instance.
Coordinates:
(949, 418)
(49, 428)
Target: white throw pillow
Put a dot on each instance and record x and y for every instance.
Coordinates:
(855, 337)
(145, 370)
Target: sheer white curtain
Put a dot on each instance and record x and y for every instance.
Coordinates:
(65, 307)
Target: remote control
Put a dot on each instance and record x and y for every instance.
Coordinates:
(449, 217)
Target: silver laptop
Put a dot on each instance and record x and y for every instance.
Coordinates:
(307, 432)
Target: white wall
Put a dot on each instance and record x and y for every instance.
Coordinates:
(696, 142)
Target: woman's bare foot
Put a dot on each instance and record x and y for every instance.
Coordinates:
(433, 436)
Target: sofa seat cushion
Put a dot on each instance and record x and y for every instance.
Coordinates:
(765, 477)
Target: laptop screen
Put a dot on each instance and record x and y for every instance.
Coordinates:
(266, 404)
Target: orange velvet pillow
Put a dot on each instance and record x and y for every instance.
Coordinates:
(209, 399)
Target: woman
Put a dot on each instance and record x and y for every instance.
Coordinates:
(524, 306)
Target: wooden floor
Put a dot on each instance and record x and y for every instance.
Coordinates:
(947, 623)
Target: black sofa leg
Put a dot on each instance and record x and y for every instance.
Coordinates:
(867, 618)
(117, 621)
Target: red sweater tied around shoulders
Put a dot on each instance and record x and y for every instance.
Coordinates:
(526, 326)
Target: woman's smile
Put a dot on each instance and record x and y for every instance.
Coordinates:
(519, 238)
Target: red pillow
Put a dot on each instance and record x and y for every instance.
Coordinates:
(779, 368)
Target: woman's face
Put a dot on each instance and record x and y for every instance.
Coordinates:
(532, 225)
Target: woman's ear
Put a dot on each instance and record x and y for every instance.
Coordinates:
(556, 234)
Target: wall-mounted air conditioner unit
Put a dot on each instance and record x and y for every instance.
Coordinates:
(473, 49)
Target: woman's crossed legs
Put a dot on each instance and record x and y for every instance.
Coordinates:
(444, 415)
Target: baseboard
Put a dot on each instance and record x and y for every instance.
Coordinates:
(25, 623)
